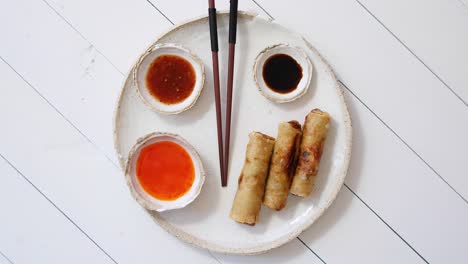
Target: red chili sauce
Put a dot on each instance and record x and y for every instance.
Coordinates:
(170, 79)
(165, 170)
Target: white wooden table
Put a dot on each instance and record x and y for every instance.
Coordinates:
(404, 66)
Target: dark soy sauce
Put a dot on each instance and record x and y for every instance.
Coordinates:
(282, 73)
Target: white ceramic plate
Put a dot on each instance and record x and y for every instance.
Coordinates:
(206, 222)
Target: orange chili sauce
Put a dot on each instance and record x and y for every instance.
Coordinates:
(165, 170)
(170, 79)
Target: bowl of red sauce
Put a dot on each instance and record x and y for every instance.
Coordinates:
(164, 172)
(169, 78)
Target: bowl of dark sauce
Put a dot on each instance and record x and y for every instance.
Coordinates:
(282, 73)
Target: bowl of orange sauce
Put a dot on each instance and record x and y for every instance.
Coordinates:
(164, 172)
(169, 78)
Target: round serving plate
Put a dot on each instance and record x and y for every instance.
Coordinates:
(205, 222)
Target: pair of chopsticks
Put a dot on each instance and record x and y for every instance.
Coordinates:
(223, 159)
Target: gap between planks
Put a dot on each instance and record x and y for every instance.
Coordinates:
(58, 208)
(5, 257)
(412, 53)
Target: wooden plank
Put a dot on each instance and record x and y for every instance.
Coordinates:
(191, 9)
(293, 252)
(124, 31)
(41, 234)
(389, 79)
(86, 186)
(4, 259)
(67, 69)
(404, 192)
(348, 233)
(436, 31)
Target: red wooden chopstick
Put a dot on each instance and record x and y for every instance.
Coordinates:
(214, 56)
(232, 47)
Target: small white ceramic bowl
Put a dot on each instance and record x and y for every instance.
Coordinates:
(141, 69)
(145, 199)
(297, 54)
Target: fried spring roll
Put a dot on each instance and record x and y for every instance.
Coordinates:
(250, 190)
(313, 138)
(283, 165)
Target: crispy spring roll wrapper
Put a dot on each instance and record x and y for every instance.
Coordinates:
(313, 138)
(283, 165)
(251, 188)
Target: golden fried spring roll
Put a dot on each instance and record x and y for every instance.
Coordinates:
(283, 164)
(313, 138)
(249, 195)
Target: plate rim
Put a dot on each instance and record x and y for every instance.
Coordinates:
(341, 175)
